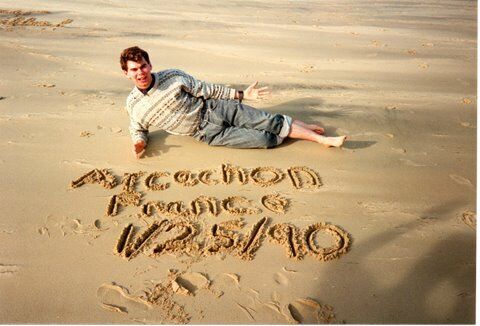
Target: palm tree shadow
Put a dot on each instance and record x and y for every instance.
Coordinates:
(450, 261)
(453, 261)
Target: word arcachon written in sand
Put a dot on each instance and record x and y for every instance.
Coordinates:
(177, 228)
(301, 177)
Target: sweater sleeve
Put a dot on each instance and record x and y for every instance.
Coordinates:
(137, 131)
(200, 88)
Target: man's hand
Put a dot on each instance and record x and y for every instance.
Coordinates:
(139, 149)
(254, 93)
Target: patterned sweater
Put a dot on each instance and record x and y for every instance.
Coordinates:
(173, 104)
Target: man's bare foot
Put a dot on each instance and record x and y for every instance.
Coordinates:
(312, 132)
(333, 141)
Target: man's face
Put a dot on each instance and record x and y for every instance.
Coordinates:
(139, 73)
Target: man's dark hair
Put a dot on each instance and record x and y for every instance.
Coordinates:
(133, 53)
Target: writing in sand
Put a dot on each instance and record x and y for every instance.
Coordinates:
(178, 230)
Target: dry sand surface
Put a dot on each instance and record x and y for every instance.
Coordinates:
(379, 231)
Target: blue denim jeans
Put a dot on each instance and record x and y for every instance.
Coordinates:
(232, 124)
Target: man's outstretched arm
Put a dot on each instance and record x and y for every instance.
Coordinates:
(199, 88)
(206, 90)
(139, 136)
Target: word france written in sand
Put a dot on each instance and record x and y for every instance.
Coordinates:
(177, 226)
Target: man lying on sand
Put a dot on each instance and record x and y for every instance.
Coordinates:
(182, 105)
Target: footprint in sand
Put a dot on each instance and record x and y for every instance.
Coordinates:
(461, 180)
(234, 277)
(288, 270)
(377, 44)
(8, 270)
(309, 311)
(412, 163)
(470, 219)
(399, 150)
(193, 282)
(86, 133)
(281, 279)
(307, 68)
(155, 304)
(44, 231)
(45, 85)
(466, 101)
(247, 310)
(467, 125)
(6, 231)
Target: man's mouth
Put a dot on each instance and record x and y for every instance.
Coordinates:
(142, 79)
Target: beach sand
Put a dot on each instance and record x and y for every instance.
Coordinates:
(379, 231)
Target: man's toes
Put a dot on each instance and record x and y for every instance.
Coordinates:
(319, 131)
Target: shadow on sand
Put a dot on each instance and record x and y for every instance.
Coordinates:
(308, 110)
(156, 144)
(436, 287)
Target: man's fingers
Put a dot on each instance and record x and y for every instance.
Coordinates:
(253, 93)
(139, 155)
(263, 94)
(139, 146)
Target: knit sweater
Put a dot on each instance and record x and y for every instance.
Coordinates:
(173, 104)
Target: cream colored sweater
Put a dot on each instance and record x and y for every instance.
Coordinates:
(173, 104)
